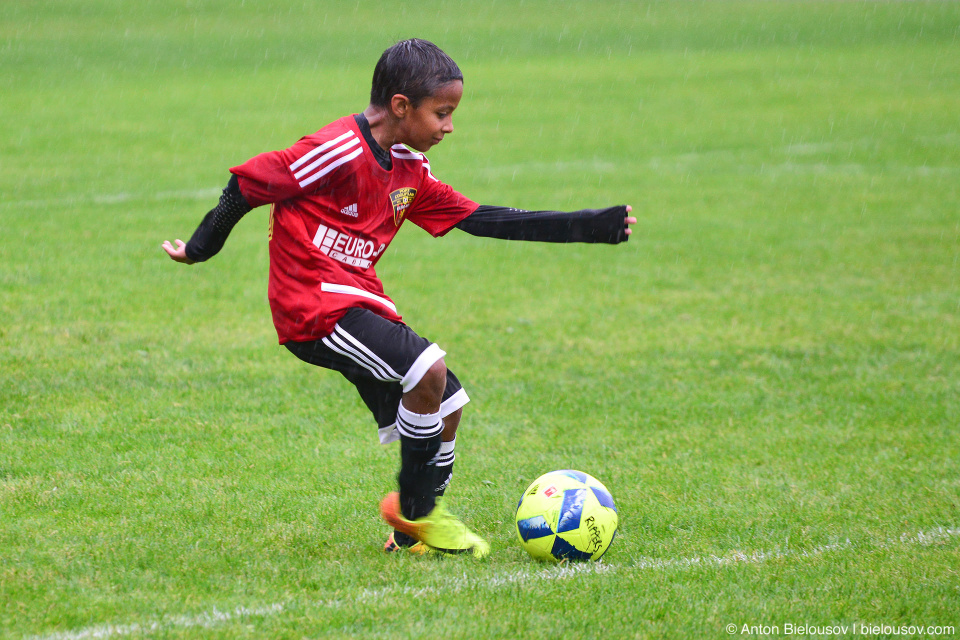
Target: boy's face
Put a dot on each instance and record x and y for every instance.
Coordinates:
(426, 124)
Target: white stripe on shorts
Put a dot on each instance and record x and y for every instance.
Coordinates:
(330, 344)
(419, 368)
(353, 345)
(346, 345)
(454, 402)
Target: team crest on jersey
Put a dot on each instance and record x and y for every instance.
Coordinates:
(401, 199)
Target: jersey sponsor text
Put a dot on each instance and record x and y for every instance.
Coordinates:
(345, 248)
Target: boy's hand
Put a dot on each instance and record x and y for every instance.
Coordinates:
(629, 221)
(179, 254)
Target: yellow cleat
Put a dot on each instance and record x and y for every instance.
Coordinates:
(418, 549)
(439, 530)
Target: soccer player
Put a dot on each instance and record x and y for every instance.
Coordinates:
(338, 198)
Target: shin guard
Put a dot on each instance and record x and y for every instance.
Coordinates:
(419, 446)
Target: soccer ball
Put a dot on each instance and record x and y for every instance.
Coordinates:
(566, 515)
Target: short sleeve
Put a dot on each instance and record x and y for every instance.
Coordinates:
(267, 178)
(306, 166)
(438, 208)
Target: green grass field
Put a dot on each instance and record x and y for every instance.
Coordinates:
(767, 376)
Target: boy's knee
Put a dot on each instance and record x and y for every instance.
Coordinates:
(434, 381)
(426, 395)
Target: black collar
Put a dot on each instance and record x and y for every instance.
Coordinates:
(384, 159)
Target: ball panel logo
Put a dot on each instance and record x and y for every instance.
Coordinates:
(401, 199)
(595, 537)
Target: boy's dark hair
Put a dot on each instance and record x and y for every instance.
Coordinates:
(415, 68)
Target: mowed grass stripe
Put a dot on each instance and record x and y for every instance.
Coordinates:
(770, 365)
(525, 579)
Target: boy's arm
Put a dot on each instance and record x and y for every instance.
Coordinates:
(209, 237)
(263, 179)
(610, 225)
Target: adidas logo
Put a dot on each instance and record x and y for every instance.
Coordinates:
(350, 210)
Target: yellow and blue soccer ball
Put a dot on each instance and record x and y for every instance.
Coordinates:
(566, 515)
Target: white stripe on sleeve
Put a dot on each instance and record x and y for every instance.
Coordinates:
(330, 167)
(314, 152)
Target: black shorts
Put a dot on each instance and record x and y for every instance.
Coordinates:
(384, 360)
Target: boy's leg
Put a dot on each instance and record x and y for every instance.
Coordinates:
(384, 402)
(420, 427)
(415, 513)
(403, 380)
(442, 472)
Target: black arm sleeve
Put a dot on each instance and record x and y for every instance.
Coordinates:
(587, 225)
(209, 237)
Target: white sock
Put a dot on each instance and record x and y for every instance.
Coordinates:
(445, 456)
(418, 425)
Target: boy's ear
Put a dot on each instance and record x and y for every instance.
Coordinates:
(400, 105)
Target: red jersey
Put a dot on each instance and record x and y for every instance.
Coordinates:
(335, 211)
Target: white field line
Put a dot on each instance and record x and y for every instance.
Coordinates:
(465, 582)
(205, 620)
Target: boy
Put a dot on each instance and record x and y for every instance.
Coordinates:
(338, 198)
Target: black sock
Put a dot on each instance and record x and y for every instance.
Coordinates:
(419, 444)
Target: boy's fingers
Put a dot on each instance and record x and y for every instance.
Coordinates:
(178, 253)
